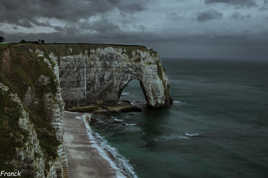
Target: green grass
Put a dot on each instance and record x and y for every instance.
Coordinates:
(60, 49)
(11, 135)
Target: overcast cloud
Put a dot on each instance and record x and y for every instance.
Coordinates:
(175, 28)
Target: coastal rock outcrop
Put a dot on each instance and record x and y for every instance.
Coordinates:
(35, 82)
(99, 74)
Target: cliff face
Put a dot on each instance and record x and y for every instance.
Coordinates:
(31, 104)
(31, 110)
(99, 74)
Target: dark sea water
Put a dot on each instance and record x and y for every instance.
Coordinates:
(217, 127)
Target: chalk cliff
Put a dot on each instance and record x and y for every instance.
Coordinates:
(99, 74)
(31, 109)
(35, 80)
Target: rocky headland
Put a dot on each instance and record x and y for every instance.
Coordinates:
(38, 80)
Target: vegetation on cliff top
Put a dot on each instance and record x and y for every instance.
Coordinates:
(61, 49)
(11, 135)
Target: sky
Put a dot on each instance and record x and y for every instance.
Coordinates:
(234, 29)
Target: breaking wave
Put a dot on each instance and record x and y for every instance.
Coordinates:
(118, 162)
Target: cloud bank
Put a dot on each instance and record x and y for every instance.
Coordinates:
(206, 28)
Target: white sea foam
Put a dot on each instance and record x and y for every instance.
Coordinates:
(177, 102)
(118, 120)
(125, 94)
(192, 134)
(117, 162)
(186, 136)
(130, 124)
(172, 137)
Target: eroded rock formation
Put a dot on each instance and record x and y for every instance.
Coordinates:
(99, 75)
(31, 104)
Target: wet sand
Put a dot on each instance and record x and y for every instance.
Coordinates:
(83, 159)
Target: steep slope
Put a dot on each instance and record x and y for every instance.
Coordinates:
(31, 110)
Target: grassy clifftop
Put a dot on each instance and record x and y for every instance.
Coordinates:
(61, 49)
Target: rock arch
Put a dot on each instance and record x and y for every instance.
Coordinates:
(100, 75)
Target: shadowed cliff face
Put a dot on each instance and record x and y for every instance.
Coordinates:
(99, 75)
(31, 109)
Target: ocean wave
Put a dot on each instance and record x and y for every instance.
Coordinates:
(122, 121)
(188, 134)
(177, 102)
(118, 162)
(118, 120)
(125, 94)
(171, 137)
(130, 124)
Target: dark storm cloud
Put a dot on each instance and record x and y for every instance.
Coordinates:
(194, 46)
(168, 27)
(131, 7)
(265, 5)
(102, 26)
(24, 13)
(114, 35)
(240, 3)
(209, 15)
(239, 16)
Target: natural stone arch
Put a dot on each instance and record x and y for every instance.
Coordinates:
(99, 76)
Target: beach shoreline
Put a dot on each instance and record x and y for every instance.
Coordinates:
(88, 153)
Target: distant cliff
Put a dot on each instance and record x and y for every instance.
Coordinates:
(34, 81)
(99, 74)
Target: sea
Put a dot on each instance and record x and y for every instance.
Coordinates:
(217, 126)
